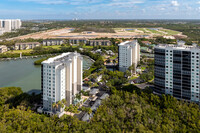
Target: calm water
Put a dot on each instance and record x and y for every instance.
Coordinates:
(22, 73)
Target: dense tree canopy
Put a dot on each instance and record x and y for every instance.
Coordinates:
(127, 110)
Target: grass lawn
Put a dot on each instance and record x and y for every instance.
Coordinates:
(171, 32)
(113, 57)
(143, 68)
(54, 47)
(134, 77)
(19, 51)
(88, 47)
(154, 31)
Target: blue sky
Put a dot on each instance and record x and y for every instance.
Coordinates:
(100, 9)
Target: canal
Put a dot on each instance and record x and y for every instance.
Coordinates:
(23, 73)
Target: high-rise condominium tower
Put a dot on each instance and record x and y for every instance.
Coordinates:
(129, 54)
(177, 71)
(61, 78)
(10, 24)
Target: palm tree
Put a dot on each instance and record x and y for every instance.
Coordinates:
(64, 101)
(60, 105)
(54, 106)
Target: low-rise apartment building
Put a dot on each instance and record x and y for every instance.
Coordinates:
(52, 42)
(78, 41)
(28, 45)
(99, 43)
(3, 49)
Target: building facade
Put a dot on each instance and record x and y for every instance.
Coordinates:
(28, 45)
(77, 41)
(61, 79)
(10, 24)
(177, 71)
(129, 54)
(99, 43)
(3, 49)
(53, 42)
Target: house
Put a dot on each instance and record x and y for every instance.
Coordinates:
(98, 51)
(3, 49)
(99, 78)
(52, 42)
(104, 96)
(110, 52)
(146, 42)
(85, 88)
(145, 49)
(99, 43)
(93, 92)
(169, 37)
(28, 45)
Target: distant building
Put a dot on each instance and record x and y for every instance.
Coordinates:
(129, 54)
(145, 50)
(10, 24)
(61, 79)
(169, 37)
(52, 42)
(28, 45)
(77, 41)
(177, 70)
(99, 43)
(88, 32)
(3, 49)
(146, 42)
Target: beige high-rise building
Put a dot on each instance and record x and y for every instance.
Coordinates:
(129, 54)
(61, 79)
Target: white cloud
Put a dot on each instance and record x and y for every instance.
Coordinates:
(198, 2)
(71, 2)
(119, 3)
(174, 3)
(46, 1)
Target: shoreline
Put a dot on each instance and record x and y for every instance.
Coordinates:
(26, 57)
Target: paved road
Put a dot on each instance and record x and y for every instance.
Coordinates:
(144, 85)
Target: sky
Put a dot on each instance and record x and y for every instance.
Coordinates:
(99, 9)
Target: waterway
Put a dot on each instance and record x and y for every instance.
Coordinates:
(23, 73)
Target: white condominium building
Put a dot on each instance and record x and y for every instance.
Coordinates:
(129, 54)
(10, 24)
(61, 79)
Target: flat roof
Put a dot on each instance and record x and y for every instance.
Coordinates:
(27, 43)
(128, 43)
(51, 60)
(176, 46)
(94, 91)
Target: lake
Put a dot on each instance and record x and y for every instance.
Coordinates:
(23, 73)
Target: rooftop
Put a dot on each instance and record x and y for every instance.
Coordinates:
(27, 43)
(128, 43)
(94, 91)
(3, 46)
(176, 46)
(59, 57)
(104, 96)
(100, 40)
